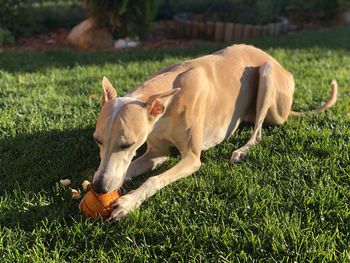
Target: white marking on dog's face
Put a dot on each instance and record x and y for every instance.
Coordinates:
(121, 129)
(118, 103)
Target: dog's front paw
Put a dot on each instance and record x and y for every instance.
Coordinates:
(122, 207)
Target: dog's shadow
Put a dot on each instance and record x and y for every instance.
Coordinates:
(32, 166)
(63, 209)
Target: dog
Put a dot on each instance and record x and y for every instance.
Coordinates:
(192, 106)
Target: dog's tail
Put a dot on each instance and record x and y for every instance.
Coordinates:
(329, 103)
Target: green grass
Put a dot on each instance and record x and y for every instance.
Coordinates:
(288, 202)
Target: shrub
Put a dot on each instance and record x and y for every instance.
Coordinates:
(168, 8)
(302, 10)
(267, 10)
(50, 17)
(27, 17)
(125, 17)
(6, 37)
(241, 11)
(15, 17)
(255, 11)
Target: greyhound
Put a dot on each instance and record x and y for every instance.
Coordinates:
(192, 106)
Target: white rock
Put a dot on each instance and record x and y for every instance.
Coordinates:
(120, 43)
(133, 43)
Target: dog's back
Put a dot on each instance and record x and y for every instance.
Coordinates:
(223, 84)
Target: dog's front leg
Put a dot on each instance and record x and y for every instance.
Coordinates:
(188, 165)
(153, 157)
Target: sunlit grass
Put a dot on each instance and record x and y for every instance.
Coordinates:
(289, 201)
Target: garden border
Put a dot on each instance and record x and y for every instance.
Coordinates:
(193, 26)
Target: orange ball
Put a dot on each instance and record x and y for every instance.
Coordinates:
(94, 205)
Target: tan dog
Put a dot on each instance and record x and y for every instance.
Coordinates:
(192, 106)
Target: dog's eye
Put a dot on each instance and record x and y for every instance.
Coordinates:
(126, 145)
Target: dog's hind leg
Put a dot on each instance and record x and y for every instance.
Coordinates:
(274, 100)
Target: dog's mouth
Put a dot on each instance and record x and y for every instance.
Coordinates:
(111, 176)
(115, 187)
(102, 188)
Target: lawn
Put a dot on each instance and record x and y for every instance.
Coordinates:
(288, 201)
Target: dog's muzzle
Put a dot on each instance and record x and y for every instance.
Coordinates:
(100, 187)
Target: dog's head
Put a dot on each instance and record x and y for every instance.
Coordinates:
(122, 127)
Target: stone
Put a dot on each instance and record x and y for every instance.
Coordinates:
(89, 35)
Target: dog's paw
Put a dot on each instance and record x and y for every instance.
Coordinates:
(122, 207)
(238, 155)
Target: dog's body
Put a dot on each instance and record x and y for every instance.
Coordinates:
(193, 106)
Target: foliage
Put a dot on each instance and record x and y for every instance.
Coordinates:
(287, 202)
(248, 11)
(6, 37)
(55, 15)
(27, 17)
(15, 16)
(241, 11)
(125, 17)
(254, 11)
(267, 10)
(169, 8)
(303, 10)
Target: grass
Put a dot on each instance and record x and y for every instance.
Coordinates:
(289, 201)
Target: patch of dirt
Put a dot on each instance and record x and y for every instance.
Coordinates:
(52, 40)
(159, 37)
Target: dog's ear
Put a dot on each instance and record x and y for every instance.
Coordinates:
(157, 104)
(108, 92)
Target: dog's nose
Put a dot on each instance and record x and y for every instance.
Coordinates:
(100, 187)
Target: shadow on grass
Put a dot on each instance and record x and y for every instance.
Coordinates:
(66, 58)
(36, 161)
(32, 166)
(335, 38)
(62, 210)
